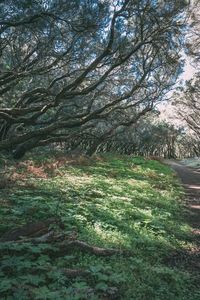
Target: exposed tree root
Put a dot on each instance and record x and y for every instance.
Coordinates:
(62, 243)
(72, 273)
(67, 245)
(29, 230)
(31, 233)
(91, 249)
(46, 238)
(89, 293)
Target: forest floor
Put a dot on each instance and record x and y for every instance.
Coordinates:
(190, 179)
(110, 227)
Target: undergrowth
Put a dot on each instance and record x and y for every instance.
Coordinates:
(118, 202)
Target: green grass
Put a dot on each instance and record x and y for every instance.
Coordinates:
(111, 201)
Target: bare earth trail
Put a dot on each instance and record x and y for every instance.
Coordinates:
(190, 179)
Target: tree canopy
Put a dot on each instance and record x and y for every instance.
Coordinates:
(186, 99)
(75, 67)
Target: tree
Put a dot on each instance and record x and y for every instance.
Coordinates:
(193, 39)
(188, 104)
(187, 99)
(68, 67)
(150, 137)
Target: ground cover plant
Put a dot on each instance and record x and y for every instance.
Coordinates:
(104, 228)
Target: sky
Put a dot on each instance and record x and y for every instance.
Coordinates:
(189, 70)
(167, 110)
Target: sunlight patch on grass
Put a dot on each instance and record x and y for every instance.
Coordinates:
(77, 180)
(119, 202)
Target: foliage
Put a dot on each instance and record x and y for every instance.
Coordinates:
(186, 99)
(110, 201)
(74, 68)
(188, 106)
(150, 137)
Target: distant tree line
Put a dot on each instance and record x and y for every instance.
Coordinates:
(150, 137)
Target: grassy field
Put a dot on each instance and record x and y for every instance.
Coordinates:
(109, 201)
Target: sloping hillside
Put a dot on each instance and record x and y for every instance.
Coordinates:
(101, 228)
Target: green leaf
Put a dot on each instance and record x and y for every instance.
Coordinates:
(5, 285)
(102, 286)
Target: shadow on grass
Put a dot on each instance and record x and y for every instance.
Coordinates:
(112, 212)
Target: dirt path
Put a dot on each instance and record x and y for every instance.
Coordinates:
(190, 179)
